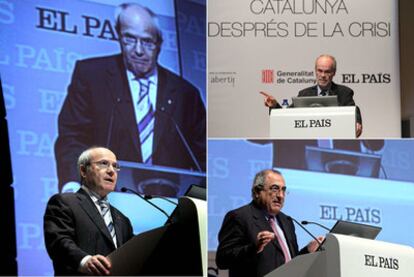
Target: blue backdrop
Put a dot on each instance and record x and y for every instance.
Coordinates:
(316, 196)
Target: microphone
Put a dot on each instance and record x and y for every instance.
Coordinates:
(109, 135)
(182, 138)
(124, 189)
(304, 222)
(148, 197)
(306, 230)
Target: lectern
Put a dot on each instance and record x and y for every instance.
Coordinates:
(348, 256)
(323, 122)
(176, 249)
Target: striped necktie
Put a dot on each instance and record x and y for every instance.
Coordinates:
(146, 120)
(282, 243)
(106, 215)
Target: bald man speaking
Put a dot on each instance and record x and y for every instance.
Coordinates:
(325, 69)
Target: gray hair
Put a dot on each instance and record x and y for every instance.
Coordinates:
(85, 160)
(259, 179)
(330, 57)
(155, 22)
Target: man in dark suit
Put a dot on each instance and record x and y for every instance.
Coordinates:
(257, 238)
(325, 69)
(131, 104)
(81, 228)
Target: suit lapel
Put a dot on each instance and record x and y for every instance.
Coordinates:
(117, 225)
(89, 207)
(262, 224)
(166, 96)
(118, 88)
(333, 89)
(314, 91)
(260, 221)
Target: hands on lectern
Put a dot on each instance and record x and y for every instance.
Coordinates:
(314, 245)
(358, 129)
(96, 265)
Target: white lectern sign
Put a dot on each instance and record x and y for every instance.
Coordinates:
(347, 256)
(323, 122)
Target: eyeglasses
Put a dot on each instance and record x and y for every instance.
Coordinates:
(146, 43)
(104, 164)
(326, 72)
(276, 189)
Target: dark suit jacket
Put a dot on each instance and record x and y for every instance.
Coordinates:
(237, 249)
(74, 228)
(345, 96)
(98, 110)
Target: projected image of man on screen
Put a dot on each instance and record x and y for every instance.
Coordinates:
(131, 104)
(325, 69)
(258, 237)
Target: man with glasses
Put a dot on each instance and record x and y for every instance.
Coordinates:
(325, 69)
(131, 104)
(81, 228)
(257, 238)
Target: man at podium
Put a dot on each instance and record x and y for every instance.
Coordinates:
(257, 238)
(81, 228)
(325, 69)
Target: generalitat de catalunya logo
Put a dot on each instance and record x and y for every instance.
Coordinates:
(268, 76)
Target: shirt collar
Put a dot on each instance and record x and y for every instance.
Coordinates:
(268, 216)
(153, 78)
(93, 195)
(326, 89)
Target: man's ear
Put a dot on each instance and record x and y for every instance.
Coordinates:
(82, 170)
(256, 192)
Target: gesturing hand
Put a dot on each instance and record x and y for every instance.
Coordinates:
(262, 239)
(269, 100)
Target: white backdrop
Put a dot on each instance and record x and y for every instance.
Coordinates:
(252, 39)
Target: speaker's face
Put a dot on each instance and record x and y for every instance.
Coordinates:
(101, 173)
(272, 196)
(325, 71)
(139, 43)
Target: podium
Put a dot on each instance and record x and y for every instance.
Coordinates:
(347, 256)
(158, 180)
(323, 122)
(176, 249)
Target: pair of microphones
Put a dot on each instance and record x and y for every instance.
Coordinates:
(147, 198)
(304, 222)
(161, 113)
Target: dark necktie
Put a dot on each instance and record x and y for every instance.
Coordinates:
(324, 92)
(145, 120)
(106, 215)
